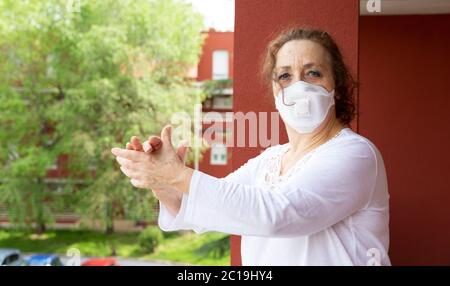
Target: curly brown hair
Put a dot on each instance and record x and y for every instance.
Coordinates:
(344, 84)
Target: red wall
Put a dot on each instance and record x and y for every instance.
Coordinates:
(404, 109)
(255, 23)
(215, 41)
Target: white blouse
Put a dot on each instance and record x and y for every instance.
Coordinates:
(330, 208)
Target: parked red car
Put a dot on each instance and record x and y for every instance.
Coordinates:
(100, 262)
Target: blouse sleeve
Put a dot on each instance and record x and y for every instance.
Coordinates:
(170, 222)
(331, 187)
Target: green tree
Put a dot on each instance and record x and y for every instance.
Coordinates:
(79, 81)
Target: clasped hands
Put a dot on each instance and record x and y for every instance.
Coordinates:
(159, 170)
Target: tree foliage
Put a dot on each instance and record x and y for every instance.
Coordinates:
(78, 82)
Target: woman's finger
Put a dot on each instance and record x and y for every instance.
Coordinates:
(138, 183)
(127, 163)
(182, 151)
(132, 174)
(132, 155)
(147, 147)
(129, 146)
(154, 143)
(125, 171)
(136, 143)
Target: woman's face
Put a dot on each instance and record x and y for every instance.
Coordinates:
(302, 60)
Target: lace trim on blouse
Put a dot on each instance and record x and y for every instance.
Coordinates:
(272, 175)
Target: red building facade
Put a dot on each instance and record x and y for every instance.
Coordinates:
(216, 64)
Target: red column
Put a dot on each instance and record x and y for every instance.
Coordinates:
(256, 22)
(404, 75)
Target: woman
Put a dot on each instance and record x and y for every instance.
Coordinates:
(320, 199)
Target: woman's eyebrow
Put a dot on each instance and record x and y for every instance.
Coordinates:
(307, 65)
(283, 68)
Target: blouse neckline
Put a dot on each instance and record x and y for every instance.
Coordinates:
(273, 176)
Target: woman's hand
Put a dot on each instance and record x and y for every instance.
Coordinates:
(159, 170)
(170, 198)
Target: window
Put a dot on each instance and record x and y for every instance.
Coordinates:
(220, 65)
(222, 102)
(218, 154)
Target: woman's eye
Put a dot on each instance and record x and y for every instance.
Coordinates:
(314, 73)
(284, 76)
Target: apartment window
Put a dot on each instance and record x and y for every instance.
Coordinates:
(218, 154)
(220, 65)
(222, 102)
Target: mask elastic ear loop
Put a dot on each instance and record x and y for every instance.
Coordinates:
(282, 91)
(282, 96)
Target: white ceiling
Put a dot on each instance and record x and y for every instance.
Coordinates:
(406, 7)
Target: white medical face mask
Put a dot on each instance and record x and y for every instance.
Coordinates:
(305, 105)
